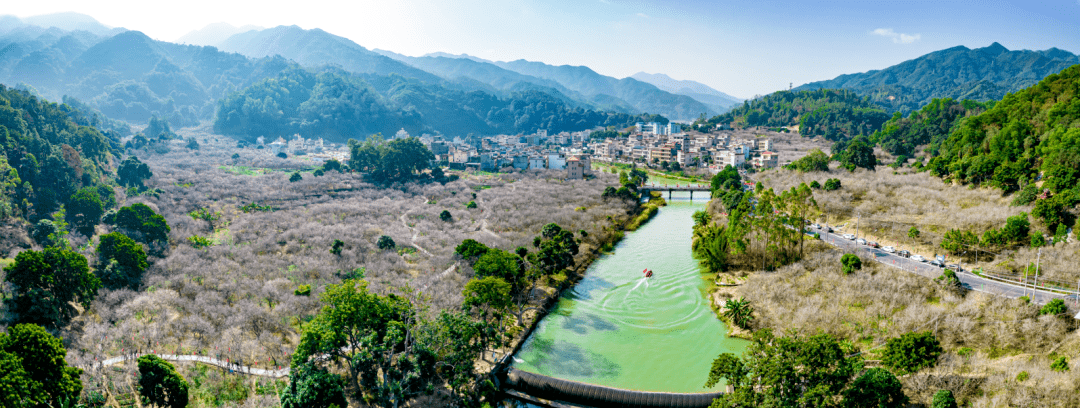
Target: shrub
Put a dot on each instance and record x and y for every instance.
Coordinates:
(1055, 307)
(295, 177)
(943, 399)
(832, 184)
(385, 242)
(815, 185)
(470, 248)
(311, 386)
(876, 388)
(471, 204)
(446, 216)
(851, 263)
(198, 241)
(1022, 376)
(911, 352)
(303, 290)
(282, 155)
(337, 247)
(1060, 365)
(319, 172)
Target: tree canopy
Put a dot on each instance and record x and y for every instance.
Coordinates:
(160, 384)
(394, 161)
(38, 368)
(121, 261)
(47, 282)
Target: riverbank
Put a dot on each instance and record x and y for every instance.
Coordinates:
(595, 331)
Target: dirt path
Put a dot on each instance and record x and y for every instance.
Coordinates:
(415, 234)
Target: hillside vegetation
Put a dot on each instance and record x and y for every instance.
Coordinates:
(832, 114)
(981, 74)
(45, 156)
(339, 106)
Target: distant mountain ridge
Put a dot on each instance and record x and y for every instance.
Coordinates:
(316, 47)
(982, 74)
(214, 34)
(718, 101)
(65, 21)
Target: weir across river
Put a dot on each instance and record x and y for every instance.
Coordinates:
(645, 190)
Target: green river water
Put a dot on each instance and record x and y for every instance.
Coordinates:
(618, 329)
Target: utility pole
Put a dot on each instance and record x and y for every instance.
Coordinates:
(858, 217)
(1037, 258)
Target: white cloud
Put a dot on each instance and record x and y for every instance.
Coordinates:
(642, 15)
(898, 38)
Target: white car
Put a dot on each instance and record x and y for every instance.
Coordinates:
(815, 226)
(888, 249)
(860, 241)
(849, 236)
(918, 258)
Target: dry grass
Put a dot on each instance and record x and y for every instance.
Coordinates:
(890, 204)
(878, 303)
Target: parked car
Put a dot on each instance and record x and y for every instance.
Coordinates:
(815, 226)
(873, 244)
(937, 263)
(904, 253)
(955, 267)
(860, 241)
(888, 249)
(849, 236)
(918, 258)
(827, 228)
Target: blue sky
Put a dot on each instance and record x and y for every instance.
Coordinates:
(743, 48)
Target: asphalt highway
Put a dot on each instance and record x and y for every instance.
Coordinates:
(967, 279)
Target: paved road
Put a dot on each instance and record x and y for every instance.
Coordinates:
(967, 279)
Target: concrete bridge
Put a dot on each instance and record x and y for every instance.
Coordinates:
(691, 187)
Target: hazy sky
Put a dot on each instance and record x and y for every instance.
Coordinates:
(739, 47)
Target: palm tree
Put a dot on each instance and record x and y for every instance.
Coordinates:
(739, 311)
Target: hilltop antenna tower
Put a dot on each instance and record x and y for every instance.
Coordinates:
(789, 84)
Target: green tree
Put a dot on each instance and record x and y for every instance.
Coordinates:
(46, 233)
(701, 218)
(43, 361)
(943, 399)
(389, 162)
(858, 154)
(815, 185)
(815, 160)
(470, 204)
(385, 242)
(489, 297)
(374, 338)
(789, 371)
(17, 389)
(160, 384)
(121, 261)
(832, 184)
(132, 172)
(337, 246)
(876, 388)
(47, 282)
(913, 233)
(142, 224)
(956, 241)
(295, 177)
(313, 386)
(711, 247)
(446, 216)
(84, 210)
(739, 311)
(501, 264)
(851, 263)
(911, 352)
(471, 248)
(1055, 307)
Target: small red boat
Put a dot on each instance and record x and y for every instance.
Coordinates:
(648, 273)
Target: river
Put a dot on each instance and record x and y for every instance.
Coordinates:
(619, 329)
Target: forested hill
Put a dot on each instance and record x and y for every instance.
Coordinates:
(338, 105)
(128, 76)
(45, 156)
(834, 114)
(1032, 131)
(959, 73)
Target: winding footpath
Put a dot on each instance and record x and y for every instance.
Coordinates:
(232, 367)
(414, 235)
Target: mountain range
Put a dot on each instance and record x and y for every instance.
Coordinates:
(981, 74)
(580, 84)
